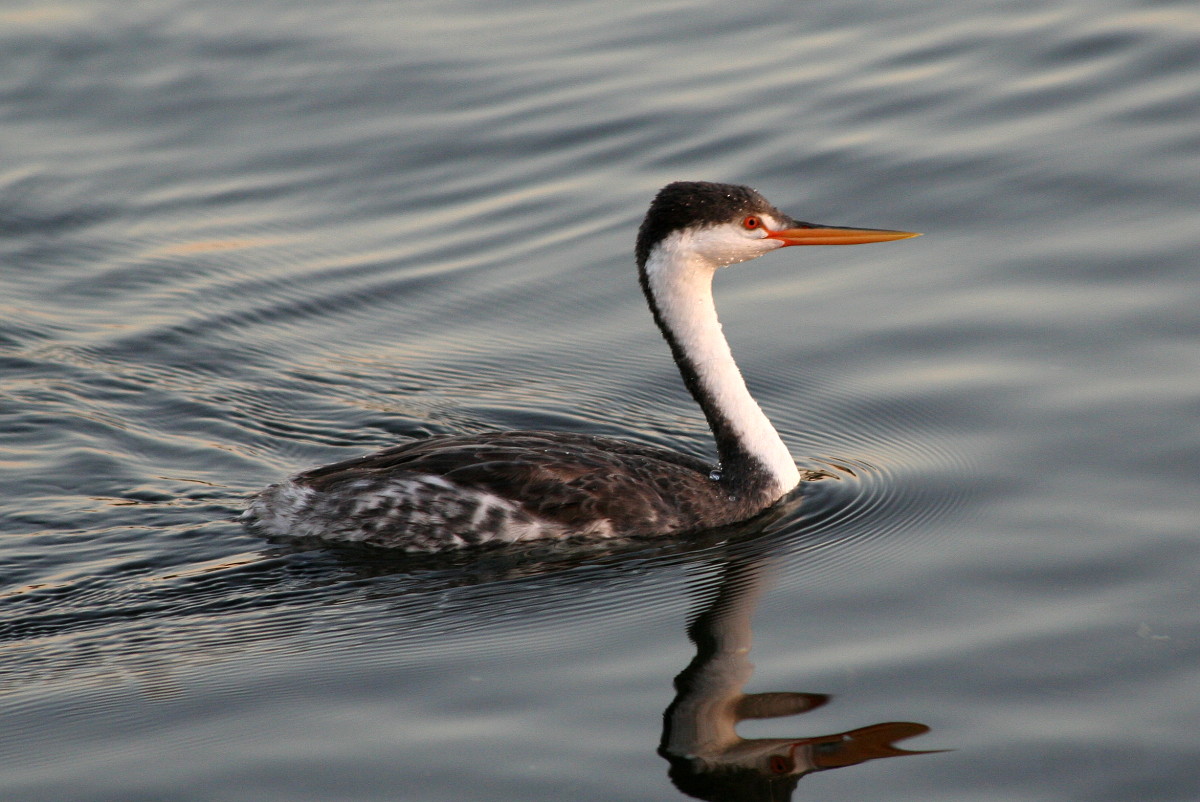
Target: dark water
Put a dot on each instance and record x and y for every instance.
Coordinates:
(243, 239)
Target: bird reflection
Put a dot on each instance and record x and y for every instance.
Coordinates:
(709, 760)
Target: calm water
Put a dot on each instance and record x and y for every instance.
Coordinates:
(243, 239)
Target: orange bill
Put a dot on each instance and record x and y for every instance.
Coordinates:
(812, 234)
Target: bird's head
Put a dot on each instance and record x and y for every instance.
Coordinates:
(723, 224)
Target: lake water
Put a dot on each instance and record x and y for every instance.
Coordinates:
(242, 239)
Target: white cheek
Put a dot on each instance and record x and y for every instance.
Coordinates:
(758, 248)
(723, 247)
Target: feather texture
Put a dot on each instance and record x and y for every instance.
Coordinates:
(502, 487)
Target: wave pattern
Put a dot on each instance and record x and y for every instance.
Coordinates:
(238, 240)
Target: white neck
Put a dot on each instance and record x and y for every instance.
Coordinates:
(680, 281)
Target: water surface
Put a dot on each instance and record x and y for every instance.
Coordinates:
(240, 240)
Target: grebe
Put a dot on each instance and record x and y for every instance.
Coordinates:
(463, 490)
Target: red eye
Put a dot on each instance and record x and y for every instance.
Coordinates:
(780, 764)
(751, 223)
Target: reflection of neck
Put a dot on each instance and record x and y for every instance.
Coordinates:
(706, 709)
(701, 723)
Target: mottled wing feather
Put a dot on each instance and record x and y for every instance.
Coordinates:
(568, 479)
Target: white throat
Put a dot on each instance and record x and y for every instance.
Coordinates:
(680, 280)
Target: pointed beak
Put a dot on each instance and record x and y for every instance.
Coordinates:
(813, 234)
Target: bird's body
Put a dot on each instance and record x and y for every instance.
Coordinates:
(462, 490)
(453, 491)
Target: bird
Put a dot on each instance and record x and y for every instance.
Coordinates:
(449, 492)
